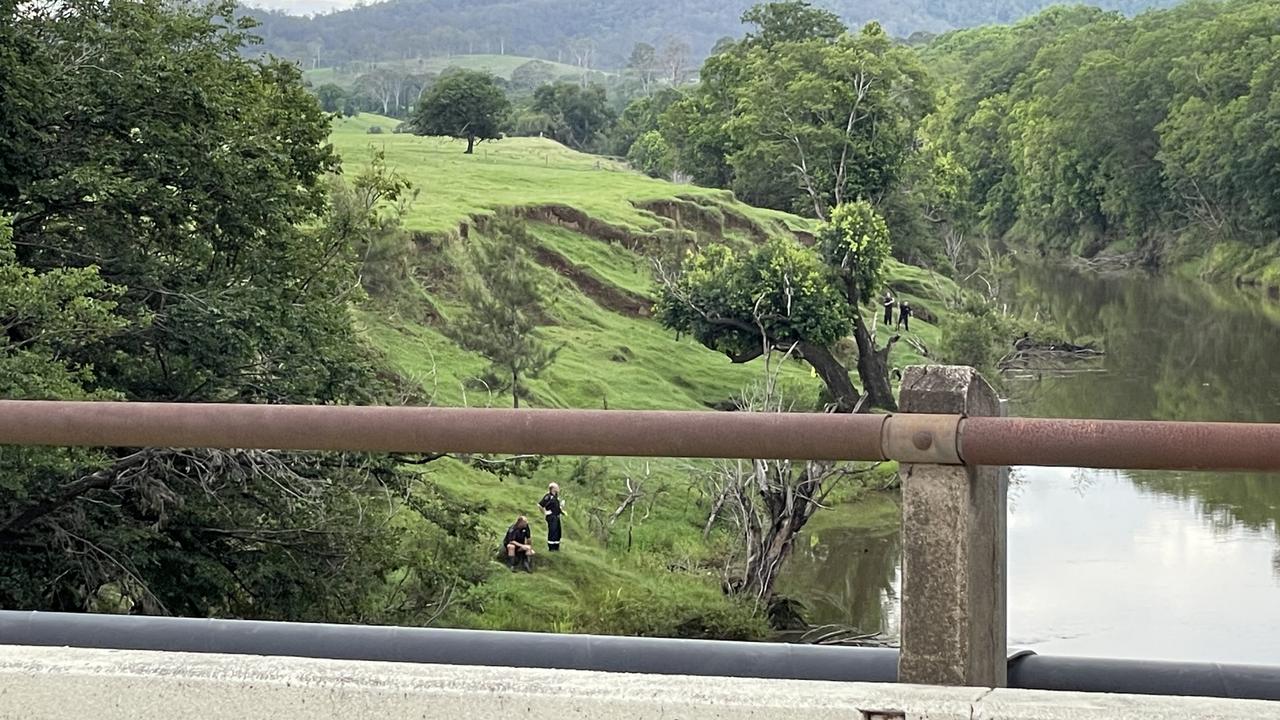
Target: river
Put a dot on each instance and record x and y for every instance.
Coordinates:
(1162, 565)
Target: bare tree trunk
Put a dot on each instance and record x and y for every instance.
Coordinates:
(834, 375)
(471, 144)
(873, 366)
(515, 378)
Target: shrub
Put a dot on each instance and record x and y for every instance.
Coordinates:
(975, 336)
(651, 155)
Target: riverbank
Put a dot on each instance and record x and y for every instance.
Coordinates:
(1243, 265)
(635, 559)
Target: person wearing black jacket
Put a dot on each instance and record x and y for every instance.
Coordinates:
(550, 504)
(517, 546)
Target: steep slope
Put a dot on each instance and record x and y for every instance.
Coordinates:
(591, 220)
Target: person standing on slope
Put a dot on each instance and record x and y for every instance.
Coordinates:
(551, 507)
(888, 308)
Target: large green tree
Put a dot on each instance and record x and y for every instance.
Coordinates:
(466, 104)
(777, 296)
(801, 115)
(166, 240)
(578, 115)
(782, 296)
(854, 243)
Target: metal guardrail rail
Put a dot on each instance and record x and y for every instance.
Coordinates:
(659, 656)
(953, 438)
(906, 437)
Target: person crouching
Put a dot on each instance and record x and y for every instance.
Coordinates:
(517, 545)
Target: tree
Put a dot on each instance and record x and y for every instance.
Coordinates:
(643, 62)
(791, 21)
(504, 307)
(463, 104)
(578, 115)
(777, 296)
(675, 59)
(800, 115)
(168, 245)
(641, 115)
(532, 75)
(331, 97)
(855, 245)
(782, 296)
(380, 84)
(862, 97)
(767, 503)
(651, 155)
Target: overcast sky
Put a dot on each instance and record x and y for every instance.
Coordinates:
(301, 7)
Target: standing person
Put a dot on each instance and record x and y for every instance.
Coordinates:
(550, 504)
(517, 545)
(888, 308)
(904, 316)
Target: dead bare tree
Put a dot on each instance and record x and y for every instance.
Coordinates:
(766, 503)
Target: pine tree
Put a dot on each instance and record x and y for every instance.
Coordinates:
(504, 306)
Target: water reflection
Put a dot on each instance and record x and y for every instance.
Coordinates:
(848, 576)
(1145, 564)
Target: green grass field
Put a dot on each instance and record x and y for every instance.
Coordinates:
(500, 65)
(660, 577)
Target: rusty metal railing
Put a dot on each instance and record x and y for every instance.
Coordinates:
(914, 438)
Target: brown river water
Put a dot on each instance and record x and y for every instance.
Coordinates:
(1160, 565)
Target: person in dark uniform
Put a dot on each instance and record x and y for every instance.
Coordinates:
(550, 504)
(888, 308)
(904, 316)
(517, 546)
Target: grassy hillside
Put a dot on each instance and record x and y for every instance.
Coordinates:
(500, 65)
(591, 219)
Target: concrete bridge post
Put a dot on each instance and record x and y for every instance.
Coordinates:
(953, 546)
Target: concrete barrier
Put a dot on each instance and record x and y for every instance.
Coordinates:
(66, 683)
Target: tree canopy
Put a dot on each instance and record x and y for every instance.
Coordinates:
(801, 115)
(782, 296)
(163, 237)
(578, 115)
(466, 104)
(1081, 129)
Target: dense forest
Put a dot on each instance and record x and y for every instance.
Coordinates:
(1151, 140)
(141, 259)
(1082, 131)
(593, 34)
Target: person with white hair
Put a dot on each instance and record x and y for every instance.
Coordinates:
(552, 508)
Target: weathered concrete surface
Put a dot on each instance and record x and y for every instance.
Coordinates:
(73, 684)
(58, 683)
(953, 547)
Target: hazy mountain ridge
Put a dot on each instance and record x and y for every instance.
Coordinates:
(593, 33)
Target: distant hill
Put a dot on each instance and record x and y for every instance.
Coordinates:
(594, 33)
(500, 65)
